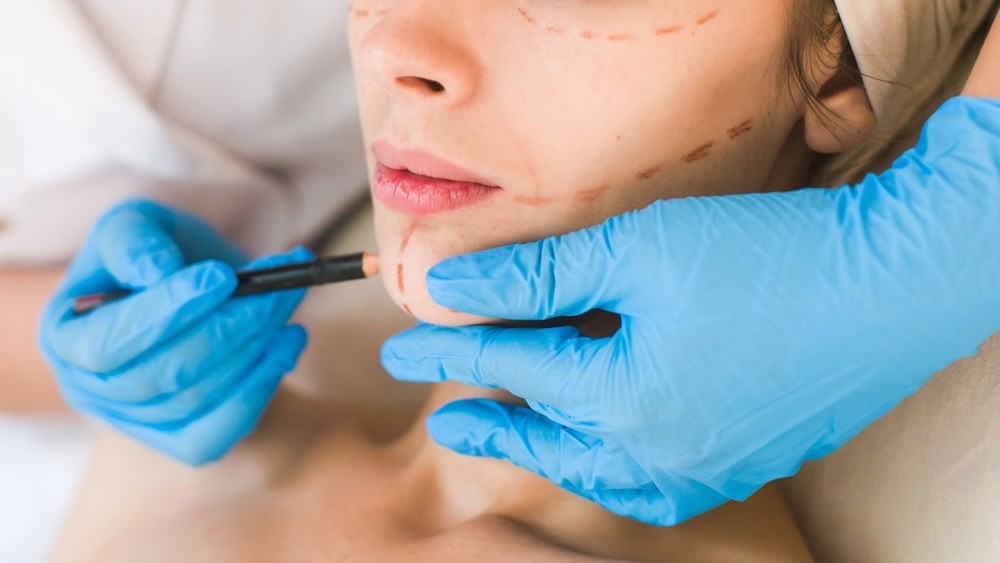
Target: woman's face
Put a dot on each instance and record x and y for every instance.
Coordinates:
(490, 122)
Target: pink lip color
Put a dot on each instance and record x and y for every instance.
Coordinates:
(419, 184)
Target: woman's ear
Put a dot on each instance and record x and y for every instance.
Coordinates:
(843, 117)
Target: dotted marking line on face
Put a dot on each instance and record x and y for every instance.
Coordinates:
(534, 201)
(707, 17)
(699, 153)
(668, 30)
(648, 173)
(407, 235)
(591, 194)
(733, 133)
(741, 129)
(400, 279)
(660, 31)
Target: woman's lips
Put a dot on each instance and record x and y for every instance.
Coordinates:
(417, 195)
(418, 183)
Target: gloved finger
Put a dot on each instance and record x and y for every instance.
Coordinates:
(537, 364)
(559, 276)
(578, 462)
(218, 429)
(573, 460)
(209, 388)
(131, 327)
(136, 245)
(664, 503)
(240, 328)
(114, 334)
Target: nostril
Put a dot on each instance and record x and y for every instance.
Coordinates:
(415, 82)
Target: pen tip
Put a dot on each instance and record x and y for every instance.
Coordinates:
(369, 264)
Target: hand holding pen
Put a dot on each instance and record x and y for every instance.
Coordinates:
(319, 271)
(179, 364)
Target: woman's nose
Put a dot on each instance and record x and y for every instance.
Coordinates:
(414, 58)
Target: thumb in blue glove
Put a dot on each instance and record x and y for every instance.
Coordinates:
(177, 364)
(757, 331)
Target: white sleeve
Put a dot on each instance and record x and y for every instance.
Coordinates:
(76, 137)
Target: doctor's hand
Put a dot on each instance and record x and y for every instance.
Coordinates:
(177, 364)
(758, 331)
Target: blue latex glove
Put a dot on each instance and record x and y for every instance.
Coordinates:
(758, 331)
(177, 365)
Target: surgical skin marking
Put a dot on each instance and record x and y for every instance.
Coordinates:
(622, 36)
(589, 195)
(707, 17)
(399, 278)
(407, 235)
(535, 201)
(648, 173)
(667, 30)
(703, 151)
(699, 153)
(741, 129)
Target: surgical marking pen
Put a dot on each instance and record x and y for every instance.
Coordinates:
(303, 274)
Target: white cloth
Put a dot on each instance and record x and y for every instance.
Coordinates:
(904, 46)
(244, 112)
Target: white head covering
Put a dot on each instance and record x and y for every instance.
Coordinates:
(904, 47)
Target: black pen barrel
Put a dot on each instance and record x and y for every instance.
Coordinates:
(315, 272)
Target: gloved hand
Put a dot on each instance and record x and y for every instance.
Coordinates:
(758, 331)
(177, 365)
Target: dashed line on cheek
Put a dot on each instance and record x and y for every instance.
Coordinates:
(524, 14)
(587, 34)
(534, 201)
(408, 310)
(621, 37)
(741, 129)
(699, 153)
(648, 173)
(399, 278)
(707, 17)
(407, 235)
(591, 194)
(668, 30)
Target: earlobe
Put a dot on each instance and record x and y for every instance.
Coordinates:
(842, 120)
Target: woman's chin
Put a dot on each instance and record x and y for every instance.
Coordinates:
(424, 309)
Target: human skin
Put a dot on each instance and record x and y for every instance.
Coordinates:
(630, 103)
(310, 485)
(26, 385)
